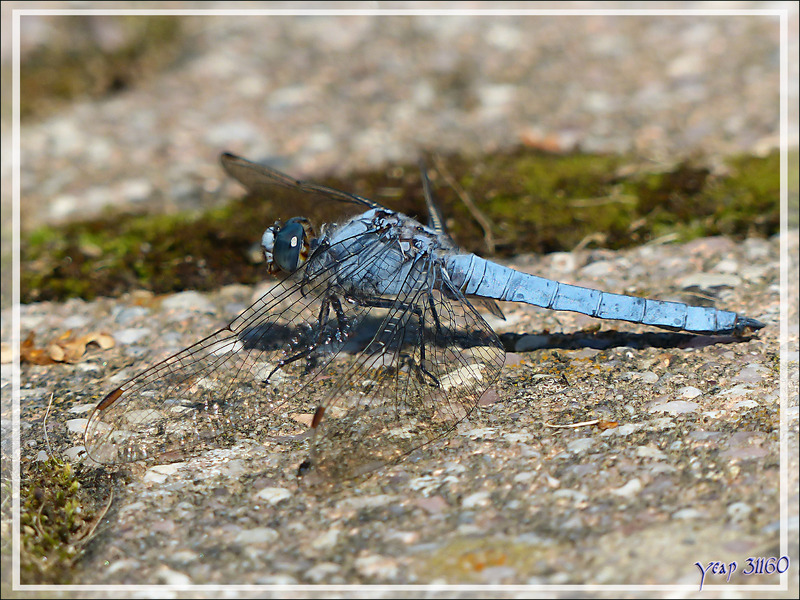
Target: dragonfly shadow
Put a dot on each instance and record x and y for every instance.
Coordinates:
(602, 340)
(276, 336)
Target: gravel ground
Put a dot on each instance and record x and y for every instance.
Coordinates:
(691, 472)
(507, 500)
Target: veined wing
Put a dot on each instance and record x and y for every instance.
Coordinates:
(435, 218)
(424, 371)
(259, 178)
(247, 380)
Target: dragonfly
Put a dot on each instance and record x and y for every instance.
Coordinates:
(368, 347)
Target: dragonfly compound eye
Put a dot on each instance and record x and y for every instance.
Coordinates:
(290, 244)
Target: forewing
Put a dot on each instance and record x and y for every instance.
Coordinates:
(253, 379)
(435, 219)
(259, 178)
(422, 373)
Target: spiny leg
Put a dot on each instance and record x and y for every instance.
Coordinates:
(439, 331)
(322, 320)
(419, 367)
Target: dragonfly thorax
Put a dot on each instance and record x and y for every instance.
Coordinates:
(287, 247)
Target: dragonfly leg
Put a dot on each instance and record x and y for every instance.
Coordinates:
(435, 314)
(286, 361)
(342, 324)
(419, 367)
(321, 337)
(438, 324)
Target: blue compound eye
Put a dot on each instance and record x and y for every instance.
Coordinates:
(291, 245)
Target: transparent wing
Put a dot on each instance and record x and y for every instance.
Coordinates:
(435, 218)
(251, 379)
(423, 371)
(256, 178)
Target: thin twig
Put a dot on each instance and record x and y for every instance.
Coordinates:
(667, 238)
(573, 425)
(483, 221)
(598, 237)
(44, 425)
(37, 523)
(84, 539)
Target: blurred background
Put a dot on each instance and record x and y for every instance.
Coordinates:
(130, 112)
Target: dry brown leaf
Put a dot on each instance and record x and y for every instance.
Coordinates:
(64, 348)
(73, 350)
(29, 353)
(104, 340)
(55, 352)
(302, 418)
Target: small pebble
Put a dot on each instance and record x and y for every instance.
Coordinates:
(191, 301)
(573, 495)
(650, 452)
(374, 566)
(169, 577)
(326, 539)
(77, 425)
(273, 495)
(629, 489)
(322, 572)
(688, 514)
(689, 392)
(131, 336)
(710, 282)
(476, 499)
(260, 536)
(675, 408)
(752, 373)
(580, 445)
(738, 511)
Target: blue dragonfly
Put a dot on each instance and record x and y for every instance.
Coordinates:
(368, 347)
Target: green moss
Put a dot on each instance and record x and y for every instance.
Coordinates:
(534, 202)
(530, 197)
(54, 520)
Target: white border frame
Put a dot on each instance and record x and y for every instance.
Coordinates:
(783, 14)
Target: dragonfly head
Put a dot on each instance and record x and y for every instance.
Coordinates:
(287, 247)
